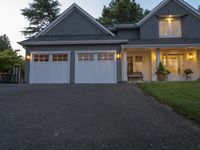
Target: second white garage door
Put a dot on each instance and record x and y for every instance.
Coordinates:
(95, 67)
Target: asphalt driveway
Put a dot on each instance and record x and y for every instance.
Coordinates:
(89, 117)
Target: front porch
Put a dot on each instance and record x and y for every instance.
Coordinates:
(147, 60)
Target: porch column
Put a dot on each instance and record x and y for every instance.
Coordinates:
(157, 57)
(125, 75)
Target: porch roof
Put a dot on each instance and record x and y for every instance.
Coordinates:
(159, 43)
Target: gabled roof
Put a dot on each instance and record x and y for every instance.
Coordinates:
(182, 3)
(66, 13)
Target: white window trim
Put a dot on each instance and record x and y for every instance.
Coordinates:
(99, 51)
(50, 53)
(171, 36)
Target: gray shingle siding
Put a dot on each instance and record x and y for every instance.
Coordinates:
(190, 23)
(128, 33)
(75, 24)
(190, 27)
(150, 29)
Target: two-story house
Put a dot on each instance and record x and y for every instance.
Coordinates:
(75, 48)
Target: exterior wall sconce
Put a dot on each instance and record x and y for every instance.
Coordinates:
(28, 57)
(118, 55)
(191, 57)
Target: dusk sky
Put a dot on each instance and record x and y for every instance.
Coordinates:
(12, 22)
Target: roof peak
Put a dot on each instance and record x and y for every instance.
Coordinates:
(67, 12)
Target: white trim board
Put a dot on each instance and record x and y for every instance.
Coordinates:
(66, 13)
(80, 42)
(161, 46)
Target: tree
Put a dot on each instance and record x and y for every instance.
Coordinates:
(121, 11)
(40, 13)
(4, 43)
(8, 59)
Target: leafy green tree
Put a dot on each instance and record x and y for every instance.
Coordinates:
(121, 11)
(39, 14)
(4, 43)
(8, 59)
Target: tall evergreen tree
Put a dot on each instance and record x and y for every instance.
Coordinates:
(39, 14)
(4, 43)
(121, 11)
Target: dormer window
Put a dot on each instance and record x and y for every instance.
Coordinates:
(170, 27)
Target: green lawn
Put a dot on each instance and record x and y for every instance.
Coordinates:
(184, 97)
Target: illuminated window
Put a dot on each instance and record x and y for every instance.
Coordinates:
(130, 64)
(170, 27)
(41, 58)
(60, 57)
(138, 59)
(105, 56)
(164, 59)
(86, 57)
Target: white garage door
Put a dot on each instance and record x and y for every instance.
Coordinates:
(95, 67)
(49, 68)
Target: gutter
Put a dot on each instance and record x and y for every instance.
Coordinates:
(81, 42)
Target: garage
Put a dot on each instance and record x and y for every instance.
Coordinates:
(95, 67)
(50, 68)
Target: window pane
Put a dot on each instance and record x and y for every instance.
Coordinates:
(55, 57)
(41, 58)
(105, 56)
(138, 59)
(86, 57)
(164, 28)
(165, 60)
(46, 58)
(36, 58)
(60, 57)
(130, 64)
(65, 57)
(175, 29)
(170, 27)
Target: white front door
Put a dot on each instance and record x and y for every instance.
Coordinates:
(175, 64)
(95, 67)
(49, 68)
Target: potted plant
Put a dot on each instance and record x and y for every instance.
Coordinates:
(162, 73)
(188, 73)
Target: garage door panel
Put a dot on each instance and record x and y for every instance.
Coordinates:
(95, 71)
(39, 72)
(59, 72)
(54, 70)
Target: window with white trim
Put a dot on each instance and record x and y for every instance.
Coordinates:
(60, 57)
(138, 59)
(170, 27)
(86, 57)
(41, 58)
(105, 56)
